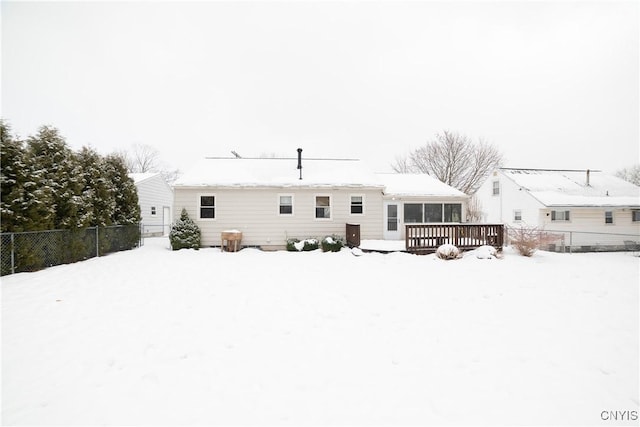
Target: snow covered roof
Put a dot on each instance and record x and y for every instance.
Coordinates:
(570, 188)
(139, 177)
(407, 184)
(278, 172)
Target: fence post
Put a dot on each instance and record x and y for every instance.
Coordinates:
(97, 242)
(13, 256)
(570, 242)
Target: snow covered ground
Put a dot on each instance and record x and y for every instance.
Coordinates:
(156, 337)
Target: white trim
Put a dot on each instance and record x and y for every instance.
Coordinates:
(315, 206)
(215, 206)
(293, 202)
(362, 196)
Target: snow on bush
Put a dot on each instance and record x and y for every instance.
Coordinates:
(486, 252)
(332, 243)
(185, 233)
(302, 245)
(448, 251)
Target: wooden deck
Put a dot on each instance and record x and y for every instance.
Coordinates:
(426, 238)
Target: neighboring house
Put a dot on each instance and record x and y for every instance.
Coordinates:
(271, 200)
(155, 198)
(591, 208)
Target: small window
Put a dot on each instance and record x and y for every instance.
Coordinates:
(207, 207)
(153, 210)
(635, 215)
(517, 215)
(357, 205)
(496, 188)
(608, 217)
(286, 205)
(559, 215)
(323, 207)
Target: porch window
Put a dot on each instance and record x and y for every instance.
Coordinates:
(323, 207)
(560, 216)
(608, 217)
(285, 205)
(452, 212)
(412, 213)
(433, 212)
(357, 205)
(207, 208)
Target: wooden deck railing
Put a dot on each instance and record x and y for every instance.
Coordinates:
(426, 238)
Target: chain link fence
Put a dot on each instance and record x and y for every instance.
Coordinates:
(35, 250)
(585, 241)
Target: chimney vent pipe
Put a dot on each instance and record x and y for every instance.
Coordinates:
(300, 161)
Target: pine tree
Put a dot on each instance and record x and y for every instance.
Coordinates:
(12, 179)
(54, 169)
(98, 195)
(127, 210)
(185, 233)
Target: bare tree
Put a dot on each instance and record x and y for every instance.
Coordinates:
(454, 159)
(474, 209)
(631, 174)
(145, 158)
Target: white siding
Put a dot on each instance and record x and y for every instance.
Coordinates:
(255, 212)
(154, 192)
(500, 208)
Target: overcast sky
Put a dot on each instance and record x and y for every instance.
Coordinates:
(552, 84)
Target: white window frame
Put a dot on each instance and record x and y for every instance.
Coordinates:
(351, 196)
(517, 213)
(279, 202)
(154, 211)
(565, 213)
(315, 207)
(495, 188)
(635, 215)
(612, 218)
(199, 206)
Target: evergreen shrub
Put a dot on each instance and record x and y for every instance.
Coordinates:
(185, 233)
(297, 245)
(332, 243)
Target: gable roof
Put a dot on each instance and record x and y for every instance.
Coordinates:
(277, 172)
(139, 177)
(570, 187)
(418, 184)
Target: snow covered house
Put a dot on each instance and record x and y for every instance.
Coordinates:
(591, 210)
(155, 198)
(271, 200)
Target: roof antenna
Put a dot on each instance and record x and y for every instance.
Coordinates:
(300, 161)
(237, 156)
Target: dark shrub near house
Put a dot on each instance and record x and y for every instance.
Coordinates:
(332, 243)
